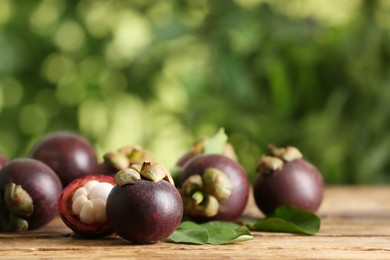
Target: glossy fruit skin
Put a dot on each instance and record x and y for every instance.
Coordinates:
(68, 154)
(144, 212)
(232, 207)
(3, 161)
(297, 184)
(72, 221)
(40, 182)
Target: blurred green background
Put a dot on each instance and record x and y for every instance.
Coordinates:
(310, 73)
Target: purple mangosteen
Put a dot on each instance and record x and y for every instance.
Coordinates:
(284, 178)
(29, 192)
(69, 154)
(213, 187)
(144, 206)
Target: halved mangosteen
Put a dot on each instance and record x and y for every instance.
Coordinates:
(82, 205)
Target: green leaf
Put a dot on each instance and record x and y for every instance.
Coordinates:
(216, 143)
(213, 225)
(188, 224)
(290, 220)
(198, 236)
(213, 232)
(221, 232)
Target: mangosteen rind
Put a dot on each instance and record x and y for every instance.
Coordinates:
(72, 219)
(294, 182)
(144, 212)
(233, 205)
(39, 182)
(70, 155)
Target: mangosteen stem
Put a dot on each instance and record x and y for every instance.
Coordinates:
(197, 197)
(146, 165)
(135, 155)
(276, 158)
(18, 201)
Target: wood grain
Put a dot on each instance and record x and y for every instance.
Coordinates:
(355, 225)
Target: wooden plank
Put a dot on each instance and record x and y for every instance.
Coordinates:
(355, 225)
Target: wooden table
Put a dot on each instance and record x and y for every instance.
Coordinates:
(355, 225)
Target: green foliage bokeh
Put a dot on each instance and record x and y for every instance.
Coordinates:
(313, 74)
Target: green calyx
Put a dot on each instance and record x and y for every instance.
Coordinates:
(217, 184)
(18, 201)
(153, 172)
(276, 157)
(127, 176)
(286, 154)
(16, 204)
(126, 156)
(202, 194)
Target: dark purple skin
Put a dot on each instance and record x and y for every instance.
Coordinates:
(68, 154)
(3, 161)
(144, 212)
(297, 184)
(232, 207)
(105, 169)
(40, 182)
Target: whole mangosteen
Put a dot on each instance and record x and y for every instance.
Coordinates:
(82, 205)
(122, 159)
(284, 178)
(69, 154)
(213, 187)
(144, 206)
(29, 192)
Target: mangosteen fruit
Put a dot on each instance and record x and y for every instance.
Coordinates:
(216, 144)
(29, 193)
(82, 205)
(3, 160)
(145, 206)
(285, 178)
(69, 154)
(213, 187)
(122, 159)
